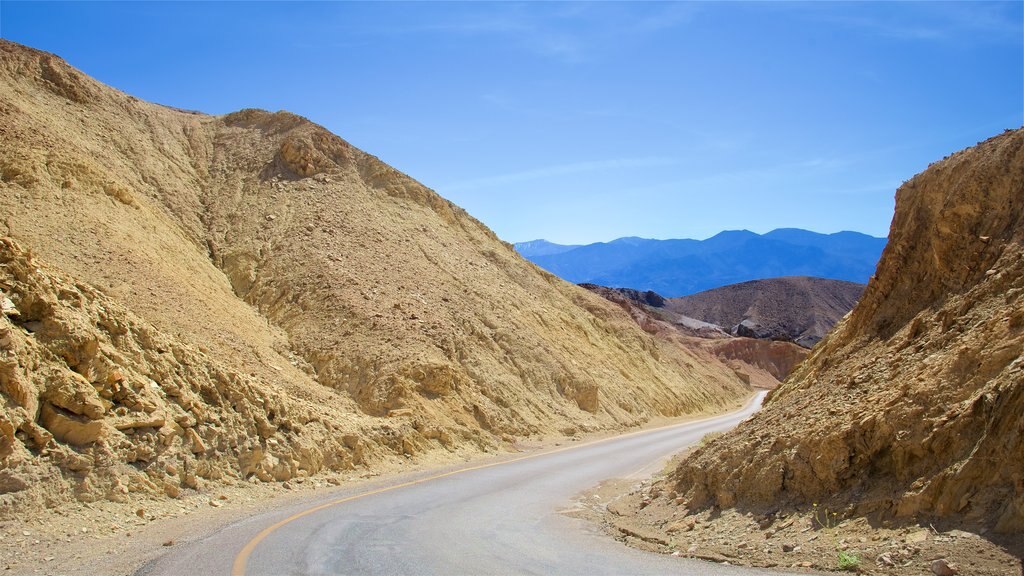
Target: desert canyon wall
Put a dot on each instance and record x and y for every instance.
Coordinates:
(911, 409)
(190, 299)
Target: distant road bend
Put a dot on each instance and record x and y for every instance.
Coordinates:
(497, 518)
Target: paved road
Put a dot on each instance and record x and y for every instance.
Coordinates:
(491, 519)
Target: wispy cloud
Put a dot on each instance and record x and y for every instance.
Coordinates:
(558, 170)
(891, 29)
(922, 21)
(564, 32)
(758, 177)
(665, 17)
(882, 186)
(532, 29)
(820, 164)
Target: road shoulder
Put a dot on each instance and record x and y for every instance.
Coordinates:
(645, 513)
(110, 537)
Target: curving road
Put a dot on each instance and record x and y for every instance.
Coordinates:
(497, 518)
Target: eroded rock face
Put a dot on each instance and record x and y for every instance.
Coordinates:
(911, 408)
(109, 402)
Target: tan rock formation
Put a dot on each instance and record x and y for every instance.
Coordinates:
(911, 408)
(250, 297)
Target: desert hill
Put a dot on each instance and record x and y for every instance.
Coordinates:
(193, 299)
(800, 309)
(910, 410)
(676, 268)
(760, 362)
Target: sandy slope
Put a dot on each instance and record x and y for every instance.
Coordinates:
(197, 301)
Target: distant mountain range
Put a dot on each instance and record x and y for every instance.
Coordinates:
(680, 267)
(543, 248)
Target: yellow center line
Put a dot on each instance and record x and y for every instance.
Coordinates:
(242, 559)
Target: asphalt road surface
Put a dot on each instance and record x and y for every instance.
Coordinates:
(497, 518)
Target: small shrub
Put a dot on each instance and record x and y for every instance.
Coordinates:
(848, 561)
(829, 522)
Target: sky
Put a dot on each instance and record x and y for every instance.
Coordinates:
(583, 122)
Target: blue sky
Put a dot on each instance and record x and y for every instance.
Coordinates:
(583, 122)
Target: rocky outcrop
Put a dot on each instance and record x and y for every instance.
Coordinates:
(100, 404)
(643, 297)
(910, 410)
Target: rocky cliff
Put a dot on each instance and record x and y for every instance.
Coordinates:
(193, 299)
(910, 410)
